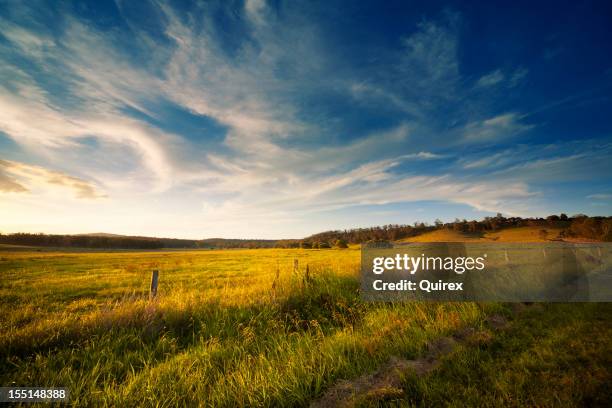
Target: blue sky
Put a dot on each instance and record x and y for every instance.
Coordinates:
(273, 119)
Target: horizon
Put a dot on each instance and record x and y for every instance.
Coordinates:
(425, 223)
(282, 120)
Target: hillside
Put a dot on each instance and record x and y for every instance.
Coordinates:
(511, 234)
(444, 235)
(577, 228)
(524, 234)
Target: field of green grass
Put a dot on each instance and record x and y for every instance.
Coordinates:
(551, 355)
(228, 328)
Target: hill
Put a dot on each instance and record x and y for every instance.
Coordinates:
(445, 235)
(102, 234)
(514, 229)
(510, 234)
(526, 234)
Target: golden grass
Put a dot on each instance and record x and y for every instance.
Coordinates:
(444, 235)
(519, 234)
(524, 234)
(228, 328)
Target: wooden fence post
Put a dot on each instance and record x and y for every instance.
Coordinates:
(154, 281)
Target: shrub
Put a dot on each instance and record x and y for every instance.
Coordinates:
(340, 243)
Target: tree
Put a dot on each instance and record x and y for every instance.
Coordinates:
(340, 243)
(473, 226)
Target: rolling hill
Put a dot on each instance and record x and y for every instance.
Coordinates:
(512, 234)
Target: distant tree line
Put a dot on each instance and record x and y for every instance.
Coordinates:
(580, 226)
(224, 243)
(341, 238)
(81, 241)
(598, 228)
(108, 241)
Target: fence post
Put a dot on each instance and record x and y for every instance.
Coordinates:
(154, 281)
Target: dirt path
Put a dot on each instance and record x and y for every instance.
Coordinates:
(385, 383)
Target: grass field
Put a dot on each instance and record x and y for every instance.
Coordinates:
(228, 328)
(551, 355)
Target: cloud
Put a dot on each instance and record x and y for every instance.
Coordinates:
(283, 155)
(425, 156)
(103, 84)
(497, 77)
(485, 162)
(429, 65)
(490, 79)
(37, 177)
(570, 161)
(9, 185)
(602, 196)
(48, 131)
(517, 77)
(243, 93)
(255, 10)
(495, 129)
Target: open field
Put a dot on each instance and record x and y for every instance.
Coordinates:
(229, 328)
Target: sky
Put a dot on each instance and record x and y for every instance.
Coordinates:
(274, 119)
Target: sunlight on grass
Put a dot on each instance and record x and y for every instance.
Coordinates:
(227, 328)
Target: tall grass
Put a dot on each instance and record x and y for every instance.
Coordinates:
(228, 328)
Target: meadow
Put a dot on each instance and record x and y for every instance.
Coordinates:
(236, 328)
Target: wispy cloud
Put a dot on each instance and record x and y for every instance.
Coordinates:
(9, 184)
(497, 77)
(496, 128)
(491, 79)
(302, 128)
(518, 76)
(602, 196)
(14, 176)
